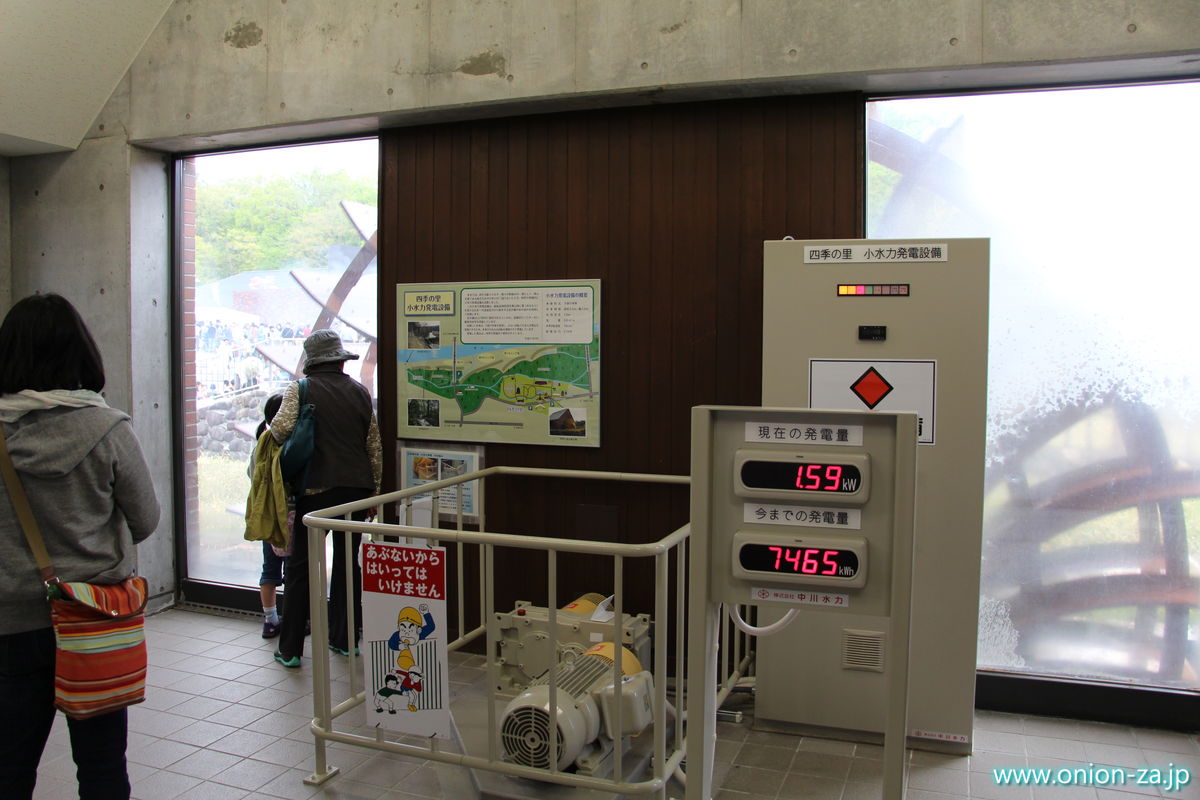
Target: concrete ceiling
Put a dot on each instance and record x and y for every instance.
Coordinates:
(60, 60)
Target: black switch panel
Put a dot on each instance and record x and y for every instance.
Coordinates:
(872, 333)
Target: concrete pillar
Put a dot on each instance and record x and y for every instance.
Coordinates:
(93, 226)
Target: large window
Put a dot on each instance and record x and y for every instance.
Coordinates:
(275, 243)
(1091, 563)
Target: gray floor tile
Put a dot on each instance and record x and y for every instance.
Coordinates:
(809, 787)
(201, 732)
(289, 784)
(162, 785)
(222, 721)
(213, 791)
(383, 770)
(245, 743)
(765, 756)
(205, 764)
(159, 753)
(250, 774)
(753, 780)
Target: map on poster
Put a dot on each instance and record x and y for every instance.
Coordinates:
(512, 362)
(405, 658)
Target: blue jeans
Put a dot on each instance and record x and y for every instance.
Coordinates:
(27, 713)
(272, 567)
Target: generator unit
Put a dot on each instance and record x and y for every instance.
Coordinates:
(584, 713)
(525, 646)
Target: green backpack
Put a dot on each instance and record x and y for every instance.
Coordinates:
(298, 448)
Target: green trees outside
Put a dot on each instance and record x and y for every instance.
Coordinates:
(270, 223)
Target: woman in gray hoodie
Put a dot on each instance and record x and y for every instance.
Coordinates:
(91, 494)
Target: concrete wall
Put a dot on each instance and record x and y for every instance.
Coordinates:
(230, 69)
(92, 224)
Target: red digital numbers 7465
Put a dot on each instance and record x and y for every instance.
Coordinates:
(805, 560)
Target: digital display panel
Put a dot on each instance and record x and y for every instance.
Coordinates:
(825, 562)
(807, 476)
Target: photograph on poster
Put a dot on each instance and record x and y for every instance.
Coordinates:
(425, 463)
(424, 413)
(424, 335)
(568, 422)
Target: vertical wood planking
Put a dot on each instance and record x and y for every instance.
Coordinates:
(753, 176)
(668, 206)
(731, 328)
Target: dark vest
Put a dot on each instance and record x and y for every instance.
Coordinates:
(343, 408)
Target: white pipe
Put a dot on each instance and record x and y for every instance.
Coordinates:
(766, 630)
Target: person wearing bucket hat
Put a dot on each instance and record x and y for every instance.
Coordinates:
(324, 347)
(346, 465)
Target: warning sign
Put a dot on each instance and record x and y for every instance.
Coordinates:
(406, 663)
(884, 385)
(871, 387)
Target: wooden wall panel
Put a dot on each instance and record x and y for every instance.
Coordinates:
(668, 206)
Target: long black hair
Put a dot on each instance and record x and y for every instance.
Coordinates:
(270, 409)
(44, 344)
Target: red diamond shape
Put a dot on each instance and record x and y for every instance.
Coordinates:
(871, 388)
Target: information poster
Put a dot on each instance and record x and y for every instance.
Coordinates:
(513, 362)
(421, 465)
(406, 663)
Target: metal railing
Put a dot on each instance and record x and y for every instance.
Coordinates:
(669, 645)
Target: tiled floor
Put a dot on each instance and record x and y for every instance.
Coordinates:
(222, 721)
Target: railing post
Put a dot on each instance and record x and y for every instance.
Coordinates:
(552, 609)
(618, 664)
(318, 615)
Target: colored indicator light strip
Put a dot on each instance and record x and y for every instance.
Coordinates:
(872, 290)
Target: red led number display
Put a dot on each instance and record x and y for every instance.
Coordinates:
(804, 559)
(825, 477)
(817, 561)
(809, 476)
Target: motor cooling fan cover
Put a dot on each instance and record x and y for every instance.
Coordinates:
(525, 731)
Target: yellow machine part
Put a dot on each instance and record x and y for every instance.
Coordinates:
(584, 604)
(629, 662)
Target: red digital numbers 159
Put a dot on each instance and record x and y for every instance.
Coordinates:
(823, 477)
(828, 478)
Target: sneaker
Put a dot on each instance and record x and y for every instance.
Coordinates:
(340, 651)
(271, 629)
(290, 663)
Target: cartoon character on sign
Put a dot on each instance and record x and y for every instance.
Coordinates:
(412, 626)
(393, 687)
(385, 693)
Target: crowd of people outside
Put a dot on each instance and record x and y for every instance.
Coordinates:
(230, 360)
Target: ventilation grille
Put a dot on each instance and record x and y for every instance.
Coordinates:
(525, 736)
(862, 650)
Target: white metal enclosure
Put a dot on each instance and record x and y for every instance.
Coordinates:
(889, 325)
(643, 770)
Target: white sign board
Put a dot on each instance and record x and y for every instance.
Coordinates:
(420, 465)
(877, 385)
(810, 433)
(406, 664)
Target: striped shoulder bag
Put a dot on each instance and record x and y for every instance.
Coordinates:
(99, 630)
